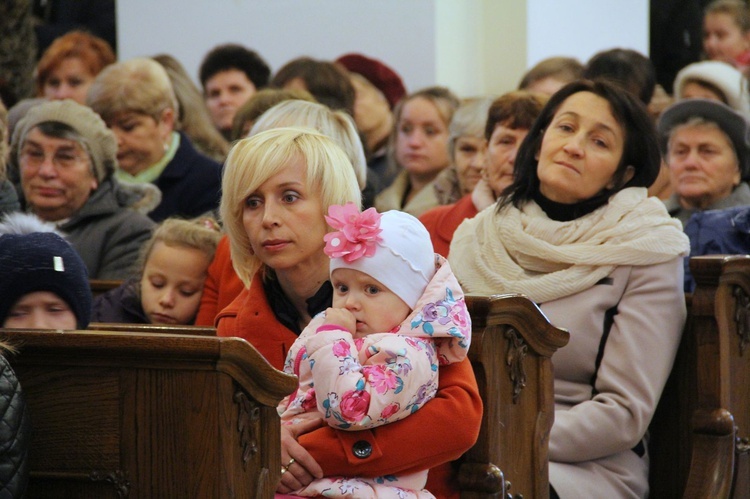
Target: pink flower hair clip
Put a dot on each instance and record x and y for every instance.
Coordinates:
(356, 234)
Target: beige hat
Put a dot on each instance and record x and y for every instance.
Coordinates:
(100, 141)
(725, 77)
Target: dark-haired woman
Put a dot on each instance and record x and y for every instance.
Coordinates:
(578, 235)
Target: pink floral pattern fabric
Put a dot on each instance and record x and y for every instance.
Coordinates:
(357, 488)
(362, 383)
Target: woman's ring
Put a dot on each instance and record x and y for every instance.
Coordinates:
(291, 462)
(284, 469)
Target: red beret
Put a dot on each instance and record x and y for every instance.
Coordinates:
(381, 76)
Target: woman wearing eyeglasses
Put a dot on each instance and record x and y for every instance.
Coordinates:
(64, 156)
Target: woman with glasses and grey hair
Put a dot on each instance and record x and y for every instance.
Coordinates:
(63, 157)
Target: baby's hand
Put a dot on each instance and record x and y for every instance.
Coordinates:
(341, 317)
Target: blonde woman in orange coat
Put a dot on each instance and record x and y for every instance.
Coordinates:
(277, 187)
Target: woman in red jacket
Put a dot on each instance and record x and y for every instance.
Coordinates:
(277, 187)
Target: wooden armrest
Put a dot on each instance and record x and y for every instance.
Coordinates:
(512, 342)
(99, 286)
(705, 406)
(713, 455)
(122, 414)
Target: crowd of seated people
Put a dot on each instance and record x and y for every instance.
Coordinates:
(215, 206)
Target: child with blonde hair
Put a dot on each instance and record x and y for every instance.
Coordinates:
(173, 267)
(372, 358)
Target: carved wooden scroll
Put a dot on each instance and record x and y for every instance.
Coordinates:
(514, 358)
(247, 422)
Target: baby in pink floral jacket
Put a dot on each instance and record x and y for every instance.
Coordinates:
(398, 314)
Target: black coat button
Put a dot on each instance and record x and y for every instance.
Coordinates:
(362, 449)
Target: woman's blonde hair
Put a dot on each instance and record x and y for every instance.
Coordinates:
(139, 85)
(337, 125)
(202, 234)
(254, 160)
(192, 117)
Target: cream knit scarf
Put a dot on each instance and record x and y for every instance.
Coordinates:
(524, 251)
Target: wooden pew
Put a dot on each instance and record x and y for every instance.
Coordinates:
(693, 435)
(117, 414)
(512, 342)
(101, 286)
(733, 317)
(511, 348)
(696, 447)
(693, 448)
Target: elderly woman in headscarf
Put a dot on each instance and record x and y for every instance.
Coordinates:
(64, 157)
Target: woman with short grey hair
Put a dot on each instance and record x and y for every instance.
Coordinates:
(136, 100)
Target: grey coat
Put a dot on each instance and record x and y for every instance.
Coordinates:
(108, 232)
(8, 198)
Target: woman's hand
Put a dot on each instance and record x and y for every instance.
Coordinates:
(303, 468)
(341, 317)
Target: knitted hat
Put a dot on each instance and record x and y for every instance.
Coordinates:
(725, 77)
(43, 261)
(393, 247)
(100, 141)
(732, 123)
(19, 110)
(381, 76)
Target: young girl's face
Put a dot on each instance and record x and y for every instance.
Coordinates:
(172, 283)
(375, 307)
(723, 39)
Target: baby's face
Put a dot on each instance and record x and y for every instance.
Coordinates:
(172, 283)
(375, 307)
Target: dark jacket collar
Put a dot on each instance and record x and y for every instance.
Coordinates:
(285, 311)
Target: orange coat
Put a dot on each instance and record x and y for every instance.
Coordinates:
(222, 285)
(428, 439)
(442, 221)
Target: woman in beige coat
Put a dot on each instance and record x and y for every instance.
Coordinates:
(578, 235)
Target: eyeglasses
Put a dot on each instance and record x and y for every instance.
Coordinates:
(62, 158)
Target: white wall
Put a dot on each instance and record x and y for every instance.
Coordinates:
(472, 46)
(584, 27)
(397, 31)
